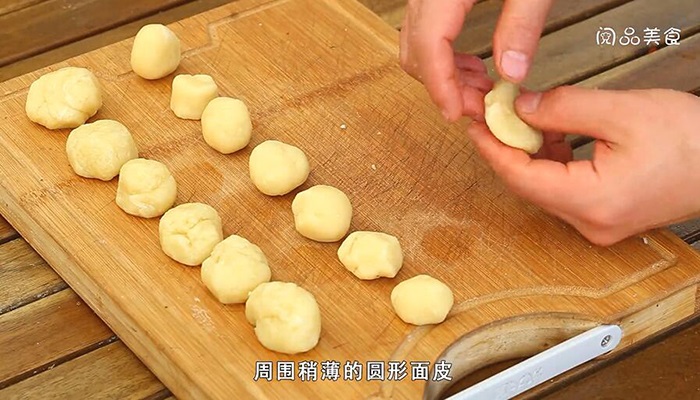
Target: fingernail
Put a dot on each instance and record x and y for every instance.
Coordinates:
(528, 102)
(514, 64)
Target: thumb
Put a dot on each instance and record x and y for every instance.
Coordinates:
(574, 110)
(517, 33)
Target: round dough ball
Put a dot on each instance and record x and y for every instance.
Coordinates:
(322, 213)
(189, 232)
(370, 255)
(64, 98)
(286, 317)
(277, 168)
(422, 300)
(226, 125)
(156, 52)
(234, 269)
(146, 188)
(100, 149)
(191, 94)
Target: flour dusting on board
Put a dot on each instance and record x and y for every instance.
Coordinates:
(202, 316)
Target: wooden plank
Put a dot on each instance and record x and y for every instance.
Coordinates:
(110, 372)
(45, 332)
(503, 257)
(673, 67)
(25, 276)
(391, 11)
(103, 39)
(32, 30)
(9, 6)
(666, 369)
(477, 35)
(571, 54)
(7, 232)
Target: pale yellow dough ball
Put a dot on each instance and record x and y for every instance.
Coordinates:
(189, 232)
(64, 98)
(322, 213)
(156, 52)
(286, 317)
(236, 267)
(422, 300)
(146, 188)
(226, 125)
(191, 94)
(100, 149)
(370, 255)
(277, 168)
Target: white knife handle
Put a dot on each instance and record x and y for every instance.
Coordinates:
(544, 366)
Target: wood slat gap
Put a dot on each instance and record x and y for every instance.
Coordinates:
(21, 302)
(52, 364)
(7, 239)
(159, 395)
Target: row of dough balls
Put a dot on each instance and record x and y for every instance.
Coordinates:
(234, 270)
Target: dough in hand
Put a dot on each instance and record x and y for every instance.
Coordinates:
(370, 255)
(189, 232)
(226, 125)
(234, 269)
(422, 300)
(146, 188)
(191, 94)
(156, 52)
(277, 168)
(64, 98)
(100, 149)
(504, 122)
(322, 213)
(286, 317)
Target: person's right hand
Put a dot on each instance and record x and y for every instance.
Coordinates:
(645, 171)
(457, 83)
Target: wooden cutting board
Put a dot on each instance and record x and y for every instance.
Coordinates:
(323, 76)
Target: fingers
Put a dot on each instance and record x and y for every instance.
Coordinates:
(555, 148)
(601, 114)
(427, 54)
(517, 33)
(470, 63)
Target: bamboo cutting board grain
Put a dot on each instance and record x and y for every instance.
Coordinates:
(323, 76)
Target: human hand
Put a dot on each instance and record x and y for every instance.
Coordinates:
(457, 82)
(645, 171)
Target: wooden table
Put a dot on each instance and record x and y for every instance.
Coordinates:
(53, 346)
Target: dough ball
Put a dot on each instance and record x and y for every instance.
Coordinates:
(286, 317)
(322, 213)
(189, 232)
(234, 269)
(191, 94)
(370, 255)
(504, 122)
(156, 52)
(277, 168)
(422, 300)
(226, 125)
(64, 98)
(146, 188)
(100, 149)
